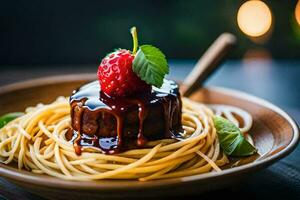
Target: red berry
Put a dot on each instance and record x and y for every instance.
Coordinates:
(116, 76)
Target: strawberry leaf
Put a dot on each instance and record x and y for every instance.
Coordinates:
(150, 65)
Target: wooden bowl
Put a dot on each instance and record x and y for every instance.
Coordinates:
(275, 135)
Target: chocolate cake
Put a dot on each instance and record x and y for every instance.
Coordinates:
(114, 124)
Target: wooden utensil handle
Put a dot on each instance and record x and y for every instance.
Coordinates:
(210, 60)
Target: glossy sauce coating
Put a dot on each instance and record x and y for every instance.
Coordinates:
(116, 124)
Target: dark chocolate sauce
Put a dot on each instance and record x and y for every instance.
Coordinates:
(116, 124)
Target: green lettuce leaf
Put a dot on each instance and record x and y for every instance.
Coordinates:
(4, 119)
(231, 139)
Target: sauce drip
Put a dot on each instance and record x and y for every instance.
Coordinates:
(113, 125)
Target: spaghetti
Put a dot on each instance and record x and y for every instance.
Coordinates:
(37, 142)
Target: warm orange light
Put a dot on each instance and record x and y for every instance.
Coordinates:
(254, 18)
(297, 12)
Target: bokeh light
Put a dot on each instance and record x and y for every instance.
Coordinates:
(254, 18)
(297, 13)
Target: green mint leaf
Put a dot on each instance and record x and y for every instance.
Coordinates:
(150, 65)
(4, 119)
(231, 139)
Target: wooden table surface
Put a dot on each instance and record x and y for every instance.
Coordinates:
(276, 81)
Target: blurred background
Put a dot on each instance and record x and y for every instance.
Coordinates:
(82, 32)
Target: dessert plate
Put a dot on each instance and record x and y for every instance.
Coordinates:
(274, 132)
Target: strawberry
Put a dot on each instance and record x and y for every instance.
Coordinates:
(123, 73)
(116, 76)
